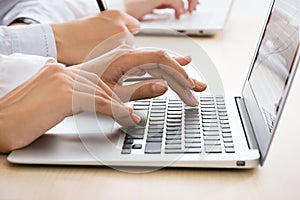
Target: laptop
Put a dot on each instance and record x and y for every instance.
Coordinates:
(209, 18)
(224, 131)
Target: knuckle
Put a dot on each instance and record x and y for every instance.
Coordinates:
(54, 68)
(161, 54)
(117, 13)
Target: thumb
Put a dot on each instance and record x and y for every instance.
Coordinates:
(142, 90)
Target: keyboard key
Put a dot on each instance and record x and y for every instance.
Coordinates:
(174, 151)
(212, 143)
(226, 130)
(223, 118)
(192, 145)
(137, 146)
(174, 117)
(211, 133)
(173, 146)
(189, 127)
(156, 123)
(157, 111)
(227, 140)
(173, 124)
(209, 117)
(155, 135)
(192, 122)
(210, 125)
(154, 140)
(157, 115)
(174, 112)
(211, 138)
(227, 135)
(173, 137)
(128, 141)
(209, 121)
(127, 146)
(173, 120)
(228, 145)
(153, 148)
(225, 126)
(192, 150)
(192, 136)
(208, 110)
(173, 128)
(173, 141)
(210, 129)
(213, 149)
(126, 151)
(157, 118)
(192, 140)
(137, 137)
(229, 150)
(158, 108)
(173, 133)
(155, 130)
(179, 108)
(156, 126)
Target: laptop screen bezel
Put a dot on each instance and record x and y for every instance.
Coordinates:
(260, 128)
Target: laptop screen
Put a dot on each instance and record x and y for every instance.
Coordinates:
(272, 72)
(275, 58)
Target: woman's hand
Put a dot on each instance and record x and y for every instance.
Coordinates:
(139, 8)
(51, 95)
(76, 39)
(124, 61)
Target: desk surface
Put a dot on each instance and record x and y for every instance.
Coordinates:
(232, 52)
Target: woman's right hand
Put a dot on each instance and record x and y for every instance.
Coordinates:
(54, 93)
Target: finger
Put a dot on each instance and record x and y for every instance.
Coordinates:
(192, 4)
(131, 23)
(183, 60)
(93, 90)
(163, 71)
(183, 92)
(177, 5)
(147, 60)
(90, 103)
(91, 79)
(121, 114)
(142, 90)
(199, 86)
(109, 91)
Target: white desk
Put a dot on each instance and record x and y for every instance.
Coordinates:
(232, 52)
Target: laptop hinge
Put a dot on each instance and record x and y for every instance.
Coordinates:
(247, 126)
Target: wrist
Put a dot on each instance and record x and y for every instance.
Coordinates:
(58, 40)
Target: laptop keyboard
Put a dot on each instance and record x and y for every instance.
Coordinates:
(171, 127)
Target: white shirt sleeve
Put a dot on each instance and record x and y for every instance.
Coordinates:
(17, 68)
(50, 11)
(116, 5)
(32, 39)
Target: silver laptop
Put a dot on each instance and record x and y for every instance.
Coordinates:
(209, 18)
(231, 131)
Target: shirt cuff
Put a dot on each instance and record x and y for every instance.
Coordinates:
(15, 69)
(30, 39)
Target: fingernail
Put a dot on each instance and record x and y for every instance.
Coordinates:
(159, 88)
(136, 118)
(188, 58)
(194, 101)
(200, 84)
